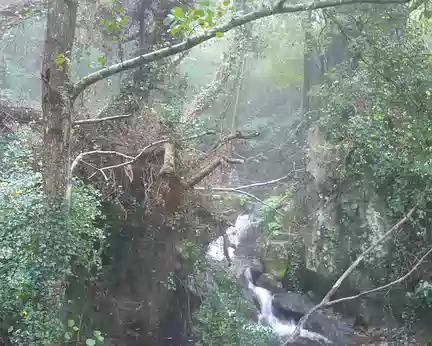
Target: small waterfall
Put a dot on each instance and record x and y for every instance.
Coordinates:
(236, 236)
(266, 316)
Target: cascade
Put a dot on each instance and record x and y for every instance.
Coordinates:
(237, 236)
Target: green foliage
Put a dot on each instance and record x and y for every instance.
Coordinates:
(422, 295)
(72, 335)
(379, 116)
(377, 123)
(224, 319)
(40, 248)
(204, 17)
(62, 61)
(116, 26)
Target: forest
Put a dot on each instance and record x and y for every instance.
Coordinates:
(215, 172)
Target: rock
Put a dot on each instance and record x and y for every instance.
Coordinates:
(338, 329)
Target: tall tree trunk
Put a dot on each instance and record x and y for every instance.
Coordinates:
(56, 102)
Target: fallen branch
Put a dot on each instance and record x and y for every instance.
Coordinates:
(237, 135)
(241, 192)
(196, 179)
(169, 166)
(94, 77)
(296, 333)
(77, 161)
(274, 181)
(97, 170)
(381, 288)
(99, 120)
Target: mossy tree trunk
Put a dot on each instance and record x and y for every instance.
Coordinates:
(56, 103)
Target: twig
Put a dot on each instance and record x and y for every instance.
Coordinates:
(161, 141)
(265, 182)
(241, 192)
(381, 288)
(99, 120)
(97, 170)
(237, 135)
(296, 333)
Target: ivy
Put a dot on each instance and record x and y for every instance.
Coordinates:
(40, 248)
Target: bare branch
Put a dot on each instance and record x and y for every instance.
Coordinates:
(77, 161)
(274, 181)
(241, 192)
(196, 179)
(198, 39)
(97, 170)
(339, 281)
(237, 135)
(381, 288)
(169, 166)
(99, 120)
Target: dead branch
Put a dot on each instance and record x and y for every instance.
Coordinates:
(237, 135)
(97, 170)
(381, 288)
(196, 179)
(274, 181)
(241, 192)
(339, 281)
(169, 166)
(99, 120)
(186, 45)
(77, 161)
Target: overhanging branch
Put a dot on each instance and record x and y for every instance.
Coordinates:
(198, 39)
(382, 288)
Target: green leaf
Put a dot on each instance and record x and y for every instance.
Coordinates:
(200, 13)
(226, 3)
(220, 34)
(90, 342)
(178, 12)
(102, 22)
(70, 323)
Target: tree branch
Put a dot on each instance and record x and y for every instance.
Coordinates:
(381, 288)
(296, 333)
(196, 179)
(241, 192)
(77, 161)
(99, 120)
(198, 39)
(237, 135)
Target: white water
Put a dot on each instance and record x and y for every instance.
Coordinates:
(235, 235)
(265, 298)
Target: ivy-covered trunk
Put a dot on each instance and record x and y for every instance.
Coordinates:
(56, 103)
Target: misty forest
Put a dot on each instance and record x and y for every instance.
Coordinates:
(215, 172)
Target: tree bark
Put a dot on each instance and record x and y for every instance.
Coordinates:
(56, 103)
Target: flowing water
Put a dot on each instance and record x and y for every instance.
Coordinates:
(242, 250)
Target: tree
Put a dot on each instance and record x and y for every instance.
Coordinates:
(59, 94)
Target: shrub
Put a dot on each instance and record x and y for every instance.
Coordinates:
(40, 247)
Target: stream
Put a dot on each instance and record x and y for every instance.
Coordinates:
(280, 310)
